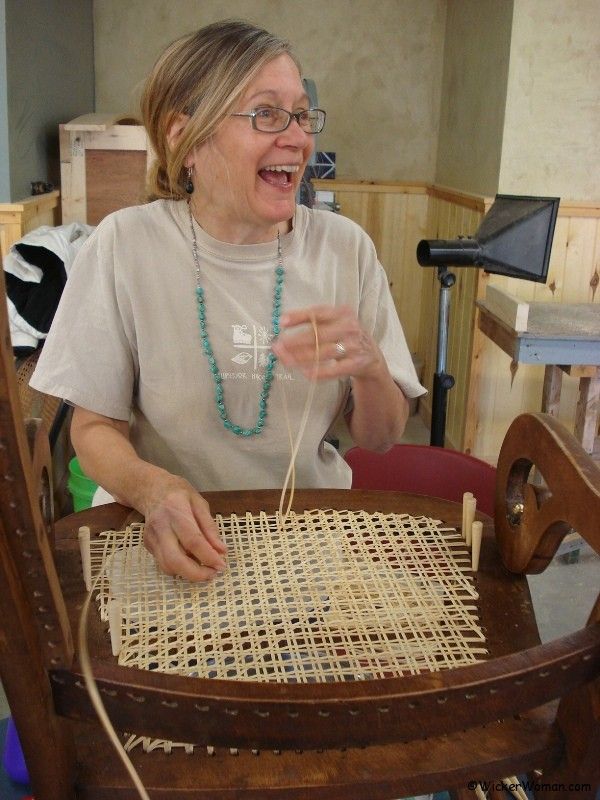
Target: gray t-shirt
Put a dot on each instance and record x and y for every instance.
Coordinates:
(125, 341)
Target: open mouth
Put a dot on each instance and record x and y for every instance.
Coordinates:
(279, 175)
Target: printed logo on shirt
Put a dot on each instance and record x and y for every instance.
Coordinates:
(252, 343)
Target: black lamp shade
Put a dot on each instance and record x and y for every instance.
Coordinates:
(514, 239)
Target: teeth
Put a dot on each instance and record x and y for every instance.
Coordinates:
(283, 168)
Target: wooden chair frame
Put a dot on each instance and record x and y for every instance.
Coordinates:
(529, 707)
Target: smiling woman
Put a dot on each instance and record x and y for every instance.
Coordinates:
(267, 164)
(181, 315)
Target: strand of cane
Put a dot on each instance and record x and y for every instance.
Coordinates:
(92, 687)
(290, 477)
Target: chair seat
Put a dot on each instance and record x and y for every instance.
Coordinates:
(425, 765)
(352, 773)
(503, 595)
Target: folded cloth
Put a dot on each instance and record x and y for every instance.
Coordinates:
(64, 241)
(36, 269)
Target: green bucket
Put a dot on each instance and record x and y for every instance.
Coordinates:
(82, 489)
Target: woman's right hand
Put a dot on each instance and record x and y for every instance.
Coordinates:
(180, 531)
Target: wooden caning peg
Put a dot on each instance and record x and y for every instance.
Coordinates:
(476, 534)
(518, 790)
(86, 559)
(466, 497)
(471, 506)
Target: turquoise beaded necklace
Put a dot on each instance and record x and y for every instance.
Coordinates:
(263, 400)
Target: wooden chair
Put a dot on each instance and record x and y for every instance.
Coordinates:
(422, 469)
(529, 707)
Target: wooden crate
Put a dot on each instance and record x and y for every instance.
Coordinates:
(104, 160)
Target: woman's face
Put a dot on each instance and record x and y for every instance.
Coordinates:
(238, 197)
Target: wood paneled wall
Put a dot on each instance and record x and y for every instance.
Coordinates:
(395, 217)
(490, 391)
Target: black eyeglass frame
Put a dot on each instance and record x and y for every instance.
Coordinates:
(291, 115)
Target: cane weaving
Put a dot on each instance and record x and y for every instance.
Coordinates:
(327, 596)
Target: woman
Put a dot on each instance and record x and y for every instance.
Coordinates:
(182, 322)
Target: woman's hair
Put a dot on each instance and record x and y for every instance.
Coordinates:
(202, 75)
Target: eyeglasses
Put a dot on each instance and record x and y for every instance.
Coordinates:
(275, 120)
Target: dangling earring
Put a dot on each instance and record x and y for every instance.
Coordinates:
(188, 185)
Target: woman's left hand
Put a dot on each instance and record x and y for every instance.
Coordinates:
(340, 347)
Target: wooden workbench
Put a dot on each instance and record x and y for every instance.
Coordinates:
(565, 338)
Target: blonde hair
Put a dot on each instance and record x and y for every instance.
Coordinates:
(201, 75)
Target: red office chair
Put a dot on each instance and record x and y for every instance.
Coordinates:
(422, 469)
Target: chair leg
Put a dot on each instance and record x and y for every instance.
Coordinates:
(46, 742)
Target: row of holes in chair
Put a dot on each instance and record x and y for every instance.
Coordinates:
(34, 573)
(320, 712)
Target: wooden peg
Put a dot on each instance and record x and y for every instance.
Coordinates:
(466, 497)
(476, 534)
(513, 785)
(86, 559)
(471, 506)
(114, 625)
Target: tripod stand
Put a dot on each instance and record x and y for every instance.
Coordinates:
(442, 381)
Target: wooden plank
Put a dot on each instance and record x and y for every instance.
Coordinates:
(72, 176)
(479, 203)
(581, 261)
(564, 321)
(11, 233)
(569, 208)
(530, 348)
(100, 122)
(579, 370)
(551, 390)
(511, 310)
(353, 185)
(555, 321)
(551, 291)
(119, 137)
(455, 197)
(473, 389)
(25, 215)
(500, 334)
(588, 412)
(409, 276)
(29, 207)
(395, 222)
(538, 350)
